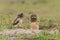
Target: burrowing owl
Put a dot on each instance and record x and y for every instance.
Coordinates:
(34, 24)
(18, 21)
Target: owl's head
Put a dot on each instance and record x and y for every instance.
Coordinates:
(20, 15)
(33, 18)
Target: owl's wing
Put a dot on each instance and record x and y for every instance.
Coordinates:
(16, 21)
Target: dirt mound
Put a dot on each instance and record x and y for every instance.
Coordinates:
(16, 32)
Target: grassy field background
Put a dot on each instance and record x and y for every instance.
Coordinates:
(44, 9)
